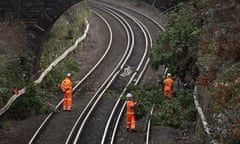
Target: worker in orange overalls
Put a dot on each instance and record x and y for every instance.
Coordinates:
(130, 115)
(15, 91)
(66, 87)
(168, 86)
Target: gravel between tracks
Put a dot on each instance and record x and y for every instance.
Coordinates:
(20, 131)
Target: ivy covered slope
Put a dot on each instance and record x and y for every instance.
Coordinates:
(202, 46)
(63, 34)
(219, 62)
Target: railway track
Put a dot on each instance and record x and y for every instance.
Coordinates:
(154, 29)
(124, 62)
(102, 113)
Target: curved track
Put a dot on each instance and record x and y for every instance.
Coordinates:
(95, 112)
(87, 88)
(154, 28)
(93, 129)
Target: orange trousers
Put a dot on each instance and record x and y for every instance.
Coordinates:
(67, 101)
(168, 92)
(130, 121)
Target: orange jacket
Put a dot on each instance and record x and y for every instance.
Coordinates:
(168, 83)
(15, 91)
(130, 115)
(66, 85)
(130, 107)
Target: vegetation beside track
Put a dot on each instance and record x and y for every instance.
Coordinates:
(63, 34)
(178, 112)
(201, 46)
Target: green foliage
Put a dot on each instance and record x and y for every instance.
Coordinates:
(27, 105)
(63, 34)
(176, 112)
(206, 33)
(185, 97)
(17, 67)
(144, 96)
(112, 94)
(31, 103)
(14, 73)
(169, 114)
(52, 81)
(177, 47)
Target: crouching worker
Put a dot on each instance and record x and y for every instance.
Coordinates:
(66, 87)
(130, 113)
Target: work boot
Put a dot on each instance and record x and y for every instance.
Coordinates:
(133, 130)
(67, 110)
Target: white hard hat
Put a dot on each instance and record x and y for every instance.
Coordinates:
(169, 74)
(129, 95)
(69, 75)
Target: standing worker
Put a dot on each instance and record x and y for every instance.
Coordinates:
(168, 86)
(130, 115)
(66, 87)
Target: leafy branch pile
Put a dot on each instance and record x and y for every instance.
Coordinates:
(178, 112)
(201, 43)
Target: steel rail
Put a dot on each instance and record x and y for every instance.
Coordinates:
(203, 119)
(119, 116)
(75, 87)
(116, 75)
(148, 17)
(129, 46)
(152, 109)
(147, 35)
(123, 107)
(122, 63)
(144, 30)
(140, 13)
(149, 125)
(105, 89)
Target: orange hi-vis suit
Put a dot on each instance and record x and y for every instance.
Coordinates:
(168, 85)
(66, 87)
(15, 91)
(130, 115)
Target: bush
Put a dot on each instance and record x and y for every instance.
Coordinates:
(177, 47)
(27, 105)
(169, 114)
(176, 112)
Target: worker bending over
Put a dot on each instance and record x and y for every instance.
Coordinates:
(66, 87)
(130, 113)
(168, 86)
